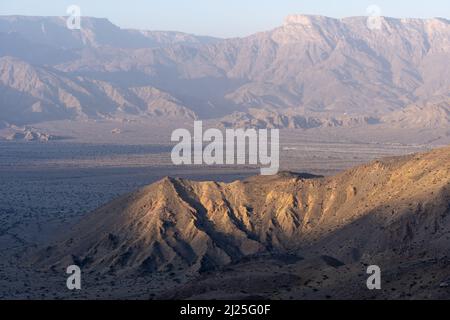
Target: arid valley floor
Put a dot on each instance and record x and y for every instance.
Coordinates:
(47, 187)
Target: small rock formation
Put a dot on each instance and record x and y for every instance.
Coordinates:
(31, 135)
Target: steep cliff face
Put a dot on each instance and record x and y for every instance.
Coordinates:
(385, 206)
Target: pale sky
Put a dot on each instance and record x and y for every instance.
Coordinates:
(222, 18)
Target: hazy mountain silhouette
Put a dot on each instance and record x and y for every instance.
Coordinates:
(334, 72)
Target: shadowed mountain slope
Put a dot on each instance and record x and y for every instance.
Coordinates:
(393, 205)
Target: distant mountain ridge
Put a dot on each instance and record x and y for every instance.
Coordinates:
(94, 32)
(325, 69)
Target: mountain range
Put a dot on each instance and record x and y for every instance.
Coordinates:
(312, 71)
